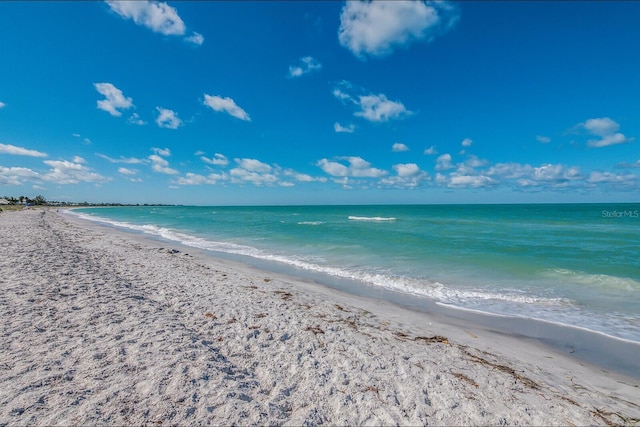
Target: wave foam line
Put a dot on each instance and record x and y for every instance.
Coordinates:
(371, 218)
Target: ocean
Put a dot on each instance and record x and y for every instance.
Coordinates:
(569, 264)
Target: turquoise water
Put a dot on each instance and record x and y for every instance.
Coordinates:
(570, 264)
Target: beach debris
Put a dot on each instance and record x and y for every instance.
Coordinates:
(210, 316)
(284, 295)
(267, 280)
(435, 338)
(315, 329)
(465, 378)
(173, 251)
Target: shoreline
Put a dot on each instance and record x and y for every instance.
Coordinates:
(585, 345)
(104, 326)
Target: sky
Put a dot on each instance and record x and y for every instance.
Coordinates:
(280, 103)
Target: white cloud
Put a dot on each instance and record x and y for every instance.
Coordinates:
(398, 147)
(301, 177)
(168, 118)
(377, 28)
(160, 165)
(543, 139)
(510, 170)
(406, 169)
(217, 159)
(473, 181)
(128, 172)
(431, 151)
(125, 160)
(357, 167)
(195, 179)
(240, 175)
(606, 129)
(375, 108)
(474, 162)
(466, 142)
(616, 138)
(227, 105)
(195, 38)
(114, 99)
(136, 120)
(602, 127)
(157, 16)
(612, 178)
(20, 151)
(16, 175)
(66, 172)
(253, 165)
(2, 104)
(161, 151)
(443, 162)
(306, 65)
(341, 129)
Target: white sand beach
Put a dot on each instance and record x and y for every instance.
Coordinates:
(104, 327)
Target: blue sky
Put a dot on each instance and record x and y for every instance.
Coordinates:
(320, 102)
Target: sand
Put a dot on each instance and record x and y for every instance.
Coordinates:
(105, 327)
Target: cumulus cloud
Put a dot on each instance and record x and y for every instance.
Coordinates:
(431, 151)
(168, 119)
(16, 175)
(342, 129)
(217, 159)
(622, 180)
(443, 162)
(255, 172)
(128, 172)
(356, 167)
(114, 99)
(226, 105)
(607, 131)
(473, 181)
(161, 151)
(161, 165)
(2, 104)
(375, 108)
(306, 65)
(20, 151)
(398, 147)
(406, 169)
(71, 172)
(157, 16)
(253, 165)
(196, 179)
(377, 28)
(466, 142)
